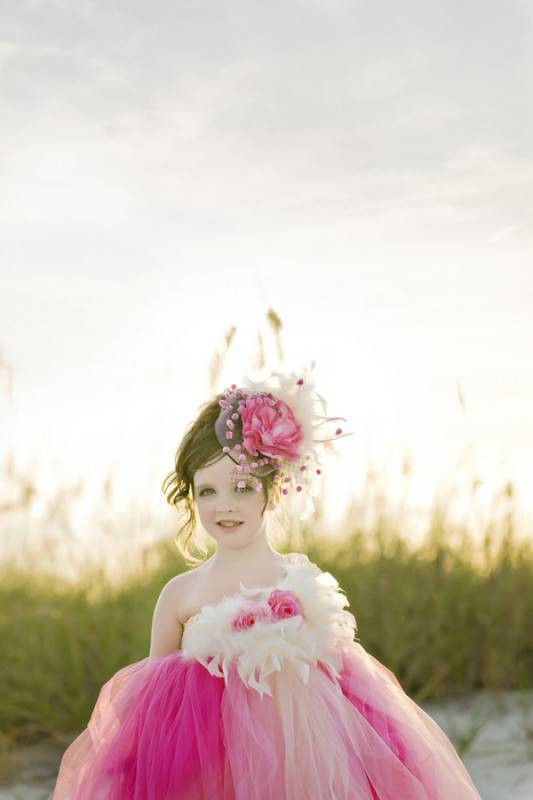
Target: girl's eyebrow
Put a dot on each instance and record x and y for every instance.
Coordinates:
(210, 485)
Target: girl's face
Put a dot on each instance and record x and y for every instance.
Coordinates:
(218, 498)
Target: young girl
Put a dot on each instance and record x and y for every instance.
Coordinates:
(255, 687)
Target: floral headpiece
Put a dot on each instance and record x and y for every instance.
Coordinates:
(265, 430)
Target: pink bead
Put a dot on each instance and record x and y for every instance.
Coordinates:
(229, 435)
(319, 472)
(235, 416)
(285, 491)
(338, 431)
(300, 382)
(241, 484)
(299, 488)
(254, 465)
(247, 469)
(239, 467)
(237, 446)
(233, 385)
(242, 457)
(286, 480)
(226, 449)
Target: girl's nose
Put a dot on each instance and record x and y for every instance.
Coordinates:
(226, 505)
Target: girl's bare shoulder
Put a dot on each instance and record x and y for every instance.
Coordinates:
(188, 578)
(182, 588)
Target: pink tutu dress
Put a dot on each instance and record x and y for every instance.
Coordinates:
(270, 698)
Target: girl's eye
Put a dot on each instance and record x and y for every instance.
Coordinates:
(247, 488)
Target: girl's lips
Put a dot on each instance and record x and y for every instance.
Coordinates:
(228, 527)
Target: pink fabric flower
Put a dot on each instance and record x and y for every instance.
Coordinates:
(284, 603)
(249, 614)
(273, 430)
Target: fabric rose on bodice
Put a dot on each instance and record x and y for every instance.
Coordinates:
(249, 614)
(282, 603)
(270, 429)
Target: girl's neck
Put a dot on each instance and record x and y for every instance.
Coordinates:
(256, 554)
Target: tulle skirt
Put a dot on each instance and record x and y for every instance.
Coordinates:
(164, 728)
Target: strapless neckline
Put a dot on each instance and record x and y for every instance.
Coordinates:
(291, 559)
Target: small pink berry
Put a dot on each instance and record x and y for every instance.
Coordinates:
(241, 484)
(299, 488)
(237, 446)
(300, 382)
(225, 449)
(229, 435)
(235, 416)
(234, 386)
(286, 480)
(319, 472)
(338, 431)
(242, 457)
(285, 491)
(303, 467)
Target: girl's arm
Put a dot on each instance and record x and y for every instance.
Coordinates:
(166, 626)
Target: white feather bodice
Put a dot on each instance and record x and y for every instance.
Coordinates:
(299, 621)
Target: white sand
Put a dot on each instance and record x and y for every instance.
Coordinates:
(499, 756)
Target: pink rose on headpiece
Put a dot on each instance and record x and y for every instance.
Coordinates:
(284, 603)
(251, 613)
(273, 430)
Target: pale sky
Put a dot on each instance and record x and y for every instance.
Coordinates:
(170, 169)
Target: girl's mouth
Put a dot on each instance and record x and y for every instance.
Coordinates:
(229, 526)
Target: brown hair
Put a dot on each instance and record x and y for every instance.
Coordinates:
(199, 448)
